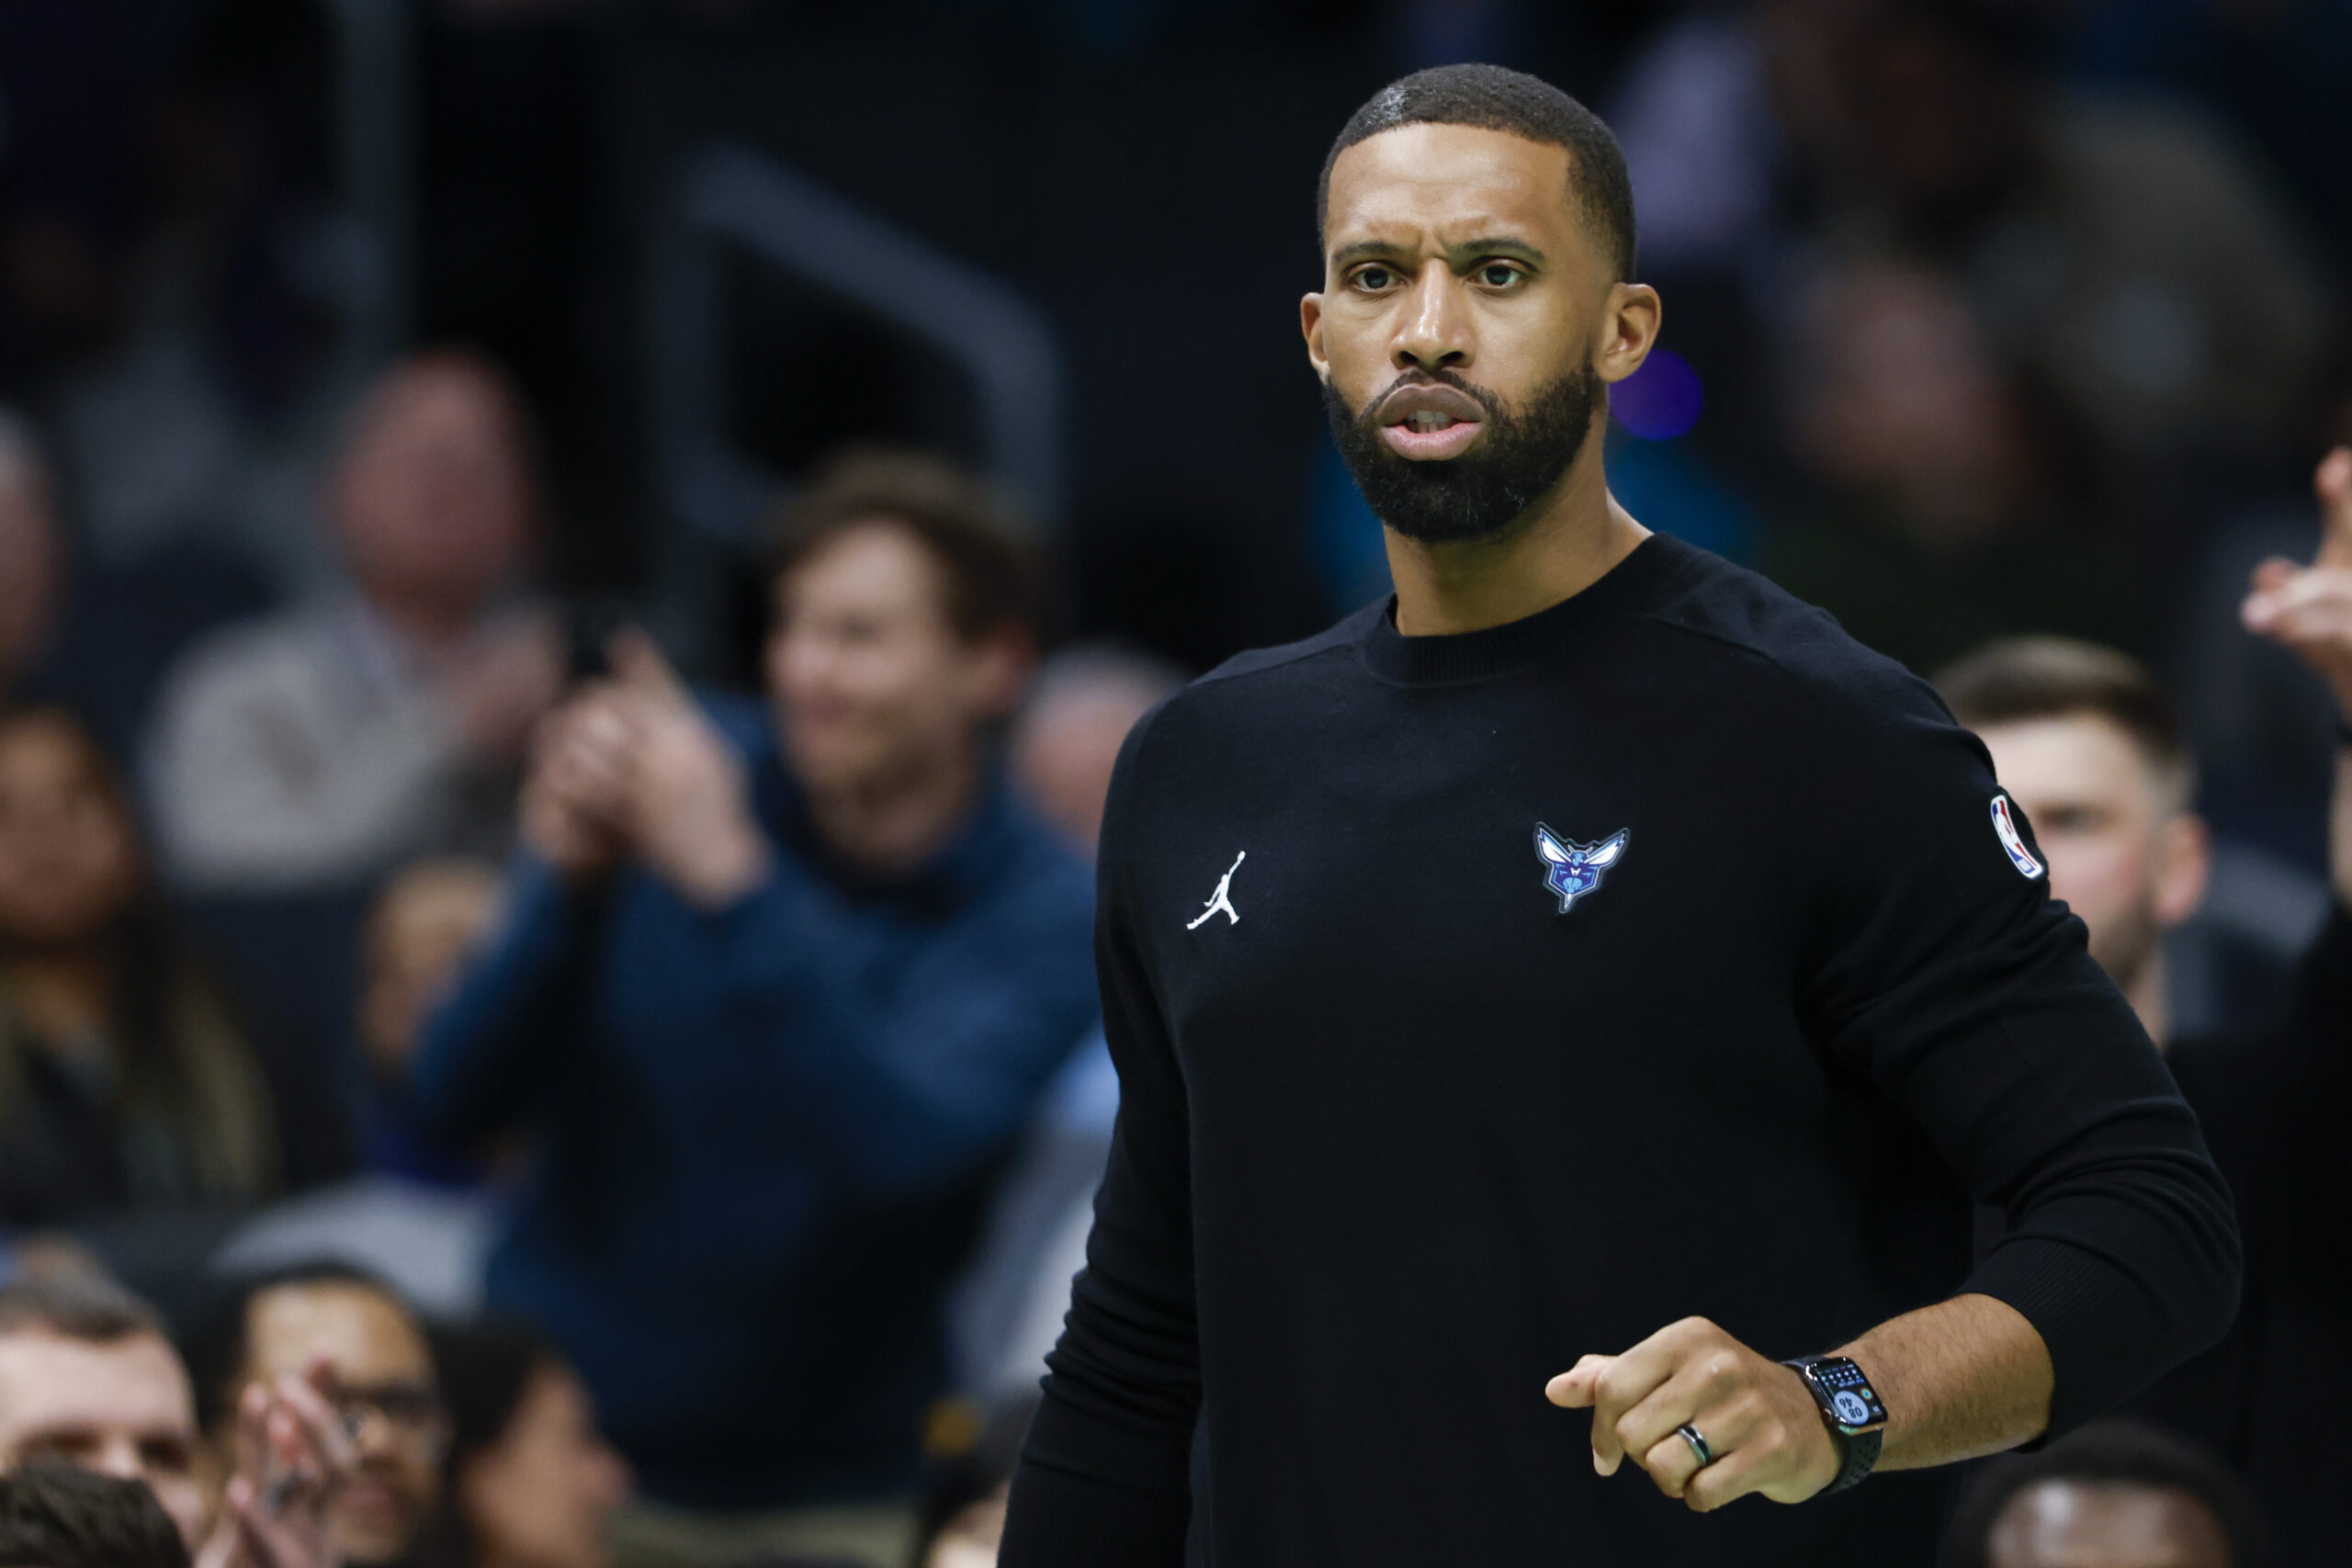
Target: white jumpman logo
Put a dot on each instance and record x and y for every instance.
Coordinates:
(1222, 903)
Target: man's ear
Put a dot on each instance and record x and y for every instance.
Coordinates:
(1628, 330)
(1310, 322)
(2184, 869)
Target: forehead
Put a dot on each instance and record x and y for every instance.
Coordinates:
(876, 566)
(365, 1337)
(1449, 182)
(49, 1383)
(2068, 1524)
(2078, 755)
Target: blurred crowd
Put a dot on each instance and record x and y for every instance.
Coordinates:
(469, 1094)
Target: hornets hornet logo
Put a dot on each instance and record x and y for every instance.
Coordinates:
(1574, 869)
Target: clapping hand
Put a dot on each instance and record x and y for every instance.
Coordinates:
(632, 766)
(293, 1456)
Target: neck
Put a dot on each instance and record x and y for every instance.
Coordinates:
(2146, 995)
(890, 825)
(1565, 543)
(62, 993)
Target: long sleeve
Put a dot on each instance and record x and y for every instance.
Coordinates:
(1939, 969)
(1104, 1475)
(520, 1007)
(898, 1089)
(269, 771)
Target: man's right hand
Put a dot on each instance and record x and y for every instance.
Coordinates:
(2307, 609)
(575, 792)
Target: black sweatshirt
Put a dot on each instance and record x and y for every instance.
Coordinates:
(1662, 953)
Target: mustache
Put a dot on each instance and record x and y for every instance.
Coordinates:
(1440, 377)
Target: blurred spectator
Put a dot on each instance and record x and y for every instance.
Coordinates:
(1010, 1305)
(315, 750)
(354, 1337)
(778, 989)
(1071, 726)
(122, 1082)
(97, 639)
(1951, 510)
(87, 1378)
(58, 1517)
(963, 1515)
(2112, 1494)
(2118, 248)
(529, 1481)
(31, 555)
(2086, 742)
(429, 919)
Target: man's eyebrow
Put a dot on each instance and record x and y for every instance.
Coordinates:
(1457, 255)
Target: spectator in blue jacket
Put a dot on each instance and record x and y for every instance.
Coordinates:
(777, 990)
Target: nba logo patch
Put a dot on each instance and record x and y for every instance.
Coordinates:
(2013, 841)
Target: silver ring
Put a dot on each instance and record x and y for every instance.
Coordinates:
(1699, 1448)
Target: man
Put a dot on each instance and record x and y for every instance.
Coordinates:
(2087, 744)
(87, 1378)
(358, 1341)
(1594, 951)
(314, 751)
(777, 991)
(2115, 1495)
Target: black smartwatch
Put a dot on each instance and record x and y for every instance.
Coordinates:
(1850, 1408)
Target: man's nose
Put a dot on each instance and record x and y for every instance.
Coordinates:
(119, 1457)
(1436, 331)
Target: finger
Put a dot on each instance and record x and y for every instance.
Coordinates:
(2304, 614)
(638, 663)
(324, 1436)
(1652, 1422)
(1573, 1390)
(2310, 588)
(2273, 574)
(1629, 1379)
(2332, 483)
(1731, 1477)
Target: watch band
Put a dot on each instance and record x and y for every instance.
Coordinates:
(1856, 1456)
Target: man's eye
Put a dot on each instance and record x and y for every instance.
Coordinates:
(1375, 278)
(1499, 275)
(165, 1456)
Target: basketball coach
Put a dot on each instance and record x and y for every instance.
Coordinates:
(1588, 980)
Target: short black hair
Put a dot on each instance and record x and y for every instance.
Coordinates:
(219, 1341)
(2107, 1453)
(58, 1516)
(1492, 98)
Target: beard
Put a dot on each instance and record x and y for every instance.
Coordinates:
(1524, 455)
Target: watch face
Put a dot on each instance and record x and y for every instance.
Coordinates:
(1847, 1394)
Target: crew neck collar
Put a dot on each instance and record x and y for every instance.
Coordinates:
(1457, 658)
